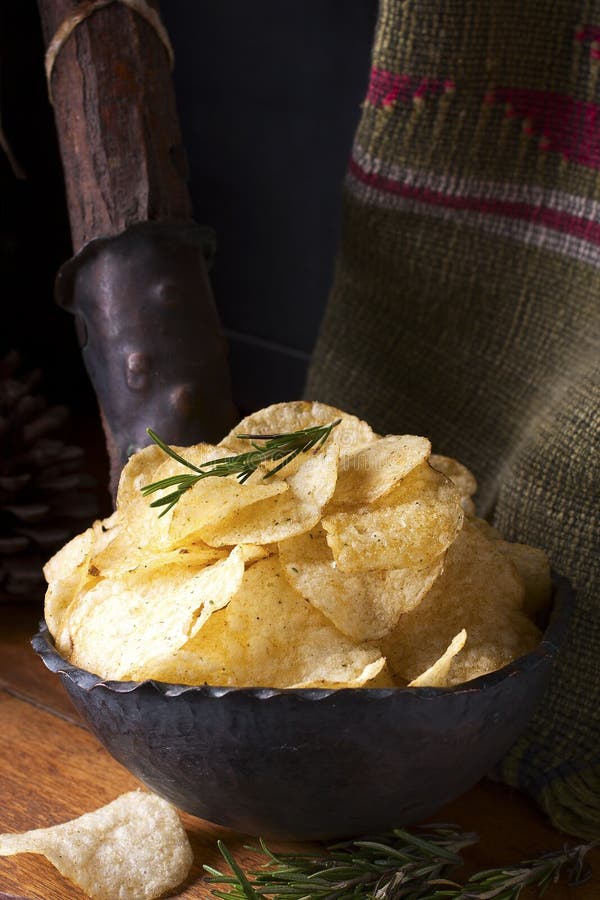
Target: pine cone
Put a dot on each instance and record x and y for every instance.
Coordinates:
(45, 496)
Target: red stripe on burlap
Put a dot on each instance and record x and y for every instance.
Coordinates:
(557, 220)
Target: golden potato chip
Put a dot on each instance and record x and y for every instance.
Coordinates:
(125, 554)
(283, 418)
(373, 675)
(409, 527)
(437, 674)
(531, 563)
(212, 501)
(362, 605)
(139, 532)
(268, 635)
(70, 571)
(533, 566)
(487, 530)
(153, 523)
(367, 474)
(460, 476)
(293, 512)
(383, 679)
(120, 623)
(135, 848)
(479, 590)
(491, 648)
(65, 573)
(139, 470)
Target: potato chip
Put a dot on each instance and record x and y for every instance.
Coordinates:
(125, 554)
(212, 501)
(533, 566)
(121, 623)
(486, 529)
(367, 474)
(409, 527)
(479, 590)
(362, 605)
(283, 418)
(139, 470)
(531, 563)
(460, 476)
(155, 522)
(374, 674)
(506, 636)
(293, 512)
(65, 573)
(135, 848)
(70, 571)
(437, 674)
(268, 635)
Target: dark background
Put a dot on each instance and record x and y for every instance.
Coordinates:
(269, 96)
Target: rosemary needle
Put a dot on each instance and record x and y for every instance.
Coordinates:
(281, 448)
(393, 866)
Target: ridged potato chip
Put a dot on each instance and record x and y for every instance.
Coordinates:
(293, 512)
(120, 623)
(409, 527)
(135, 848)
(268, 635)
(479, 590)
(369, 473)
(362, 605)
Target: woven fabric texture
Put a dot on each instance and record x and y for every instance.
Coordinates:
(466, 305)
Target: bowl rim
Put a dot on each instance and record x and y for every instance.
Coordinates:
(563, 603)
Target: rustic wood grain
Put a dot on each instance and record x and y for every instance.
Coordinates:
(117, 123)
(52, 770)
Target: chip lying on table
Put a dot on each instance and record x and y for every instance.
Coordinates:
(302, 551)
(135, 848)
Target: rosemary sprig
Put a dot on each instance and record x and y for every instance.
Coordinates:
(276, 447)
(395, 866)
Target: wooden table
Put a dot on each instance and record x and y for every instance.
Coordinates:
(52, 769)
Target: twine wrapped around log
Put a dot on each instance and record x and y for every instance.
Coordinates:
(68, 26)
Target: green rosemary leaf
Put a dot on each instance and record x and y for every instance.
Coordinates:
(281, 448)
(396, 866)
(244, 884)
(168, 482)
(169, 450)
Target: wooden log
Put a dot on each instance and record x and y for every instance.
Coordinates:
(116, 119)
(137, 285)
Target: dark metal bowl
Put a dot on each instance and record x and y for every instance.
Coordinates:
(308, 764)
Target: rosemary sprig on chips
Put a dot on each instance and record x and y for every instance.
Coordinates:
(391, 867)
(284, 447)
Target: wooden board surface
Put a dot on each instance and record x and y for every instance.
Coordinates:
(52, 769)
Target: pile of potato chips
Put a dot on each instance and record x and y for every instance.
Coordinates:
(359, 565)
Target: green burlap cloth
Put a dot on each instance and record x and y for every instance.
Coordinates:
(466, 299)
